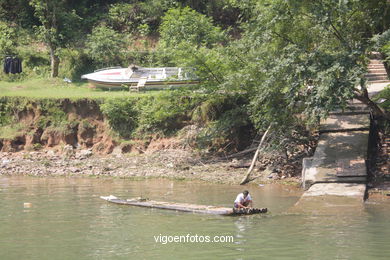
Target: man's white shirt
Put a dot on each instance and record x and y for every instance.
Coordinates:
(240, 198)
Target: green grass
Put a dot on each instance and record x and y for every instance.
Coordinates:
(57, 88)
(10, 131)
(385, 95)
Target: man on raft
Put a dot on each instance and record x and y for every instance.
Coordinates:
(243, 200)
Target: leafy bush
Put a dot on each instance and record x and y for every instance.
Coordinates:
(215, 106)
(7, 39)
(5, 112)
(186, 25)
(139, 17)
(166, 112)
(75, 63)
(104, 46)
(35, 63)
(122, 115)
(158, 114)
(51, 114)
(233, 129)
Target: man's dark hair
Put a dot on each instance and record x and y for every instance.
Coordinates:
(246, 192)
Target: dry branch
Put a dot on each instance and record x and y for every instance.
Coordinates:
(246, 178)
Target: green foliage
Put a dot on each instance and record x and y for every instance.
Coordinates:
(300, 57)
(10, 131)
(58, 24)
(75, 62)
(124, 17)
(149, 115)
(7, 39)
(52, 114)
(5, 112)
(104, 46)
(384, 96)
(184, 25)
(226, 123)
(167, 112)
(122, 115)
(137, 17)
(35, 63)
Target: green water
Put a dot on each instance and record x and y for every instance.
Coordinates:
(67, 220)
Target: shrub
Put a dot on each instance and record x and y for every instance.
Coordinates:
(186, 25)
(74, 63)
(105, 46)
(51, 114)
(121, 115)
(167, 112)
(35, 63)
(7, 39)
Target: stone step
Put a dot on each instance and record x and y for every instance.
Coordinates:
(336, 189)
(376, 61)
(375, 66)
(375, 74)
(374, 71)
(381, 67)
(377, 78)
(345, 122)
(379, 81)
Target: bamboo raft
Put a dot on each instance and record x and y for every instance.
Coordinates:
(184, 207)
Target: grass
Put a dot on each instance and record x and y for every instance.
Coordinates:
(57, 88)
(385, 95)
(10, 131)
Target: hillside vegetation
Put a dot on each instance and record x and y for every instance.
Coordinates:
(274, 62)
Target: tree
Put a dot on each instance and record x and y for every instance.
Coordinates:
(184, 25)
(304, 57)
(58, 26)
(105, 46)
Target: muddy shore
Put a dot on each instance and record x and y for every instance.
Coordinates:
(170, 163)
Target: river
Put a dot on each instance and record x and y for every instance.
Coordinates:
(67, 220)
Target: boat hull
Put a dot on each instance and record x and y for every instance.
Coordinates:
(155, 85)
(140, 79)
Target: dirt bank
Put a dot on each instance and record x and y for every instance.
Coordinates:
(42, 125)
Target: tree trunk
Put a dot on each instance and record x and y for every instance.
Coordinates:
(365, 99)
(246, 178)
(54, 62)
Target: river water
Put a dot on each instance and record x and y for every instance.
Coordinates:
(67, 220)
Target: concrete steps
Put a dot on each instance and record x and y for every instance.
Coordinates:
(376, 72)
(338, 167)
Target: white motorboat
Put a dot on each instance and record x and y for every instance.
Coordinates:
(136, 77)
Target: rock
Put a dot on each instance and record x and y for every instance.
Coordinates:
(51, 153)
(273, 176)
(74, 169)
(4, 162)
(117, 151)
(85, 154)
(68, 151)
(170, 165)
